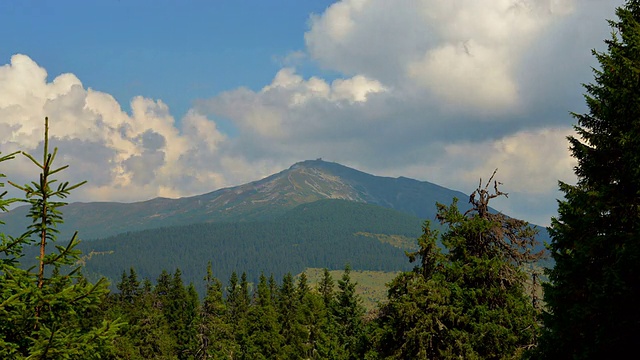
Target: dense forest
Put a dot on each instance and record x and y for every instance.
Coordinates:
(326, 233)
(464, 294)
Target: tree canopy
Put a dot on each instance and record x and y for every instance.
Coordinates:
(469, 301)
(593, 292)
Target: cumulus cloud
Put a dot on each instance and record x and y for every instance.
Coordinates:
(434, 90)
(124, 156)
(464, 52)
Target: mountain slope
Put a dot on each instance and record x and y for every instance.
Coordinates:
(326, 233)
(302, 183)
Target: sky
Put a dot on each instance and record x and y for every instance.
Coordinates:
(161, 98)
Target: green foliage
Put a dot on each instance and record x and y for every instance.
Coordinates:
(214, 333)
(52, 312)
(321, 234)
(263, 328)
(348, 312)
(291, 330)
(469, 302)
(593, 293)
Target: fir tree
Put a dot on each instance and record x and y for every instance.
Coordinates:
(592, 297)
(328, 345)
(44, 316)
(237, 308)
(214, 333)
(180, 312)
(325, 288)
(470, 302)
(348, 312)
(290, 328)
(264, 335)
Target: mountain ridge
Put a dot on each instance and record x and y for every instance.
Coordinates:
(303, 182)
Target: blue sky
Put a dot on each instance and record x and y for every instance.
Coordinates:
(168, 98)
(171, 50)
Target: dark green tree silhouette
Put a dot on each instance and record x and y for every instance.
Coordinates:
(592, 296)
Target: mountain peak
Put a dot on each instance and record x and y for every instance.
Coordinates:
(312, 163)
(304, 182)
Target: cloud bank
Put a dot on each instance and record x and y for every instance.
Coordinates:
(439, 91)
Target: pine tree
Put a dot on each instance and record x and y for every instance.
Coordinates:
(485, 274)
(470, 302)
(151, 335)
(180, 312)
(410, 323)
(290, 328)
(237, 309)
(313, 317)
(325, 288)
(592, 298)
(328, 345)
(264, 337)
(214, 333)
(43, 313)
(349, 312)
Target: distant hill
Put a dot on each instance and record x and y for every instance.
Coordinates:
(327, 233)
(265, 199)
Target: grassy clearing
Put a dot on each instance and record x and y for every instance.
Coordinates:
(371, 285)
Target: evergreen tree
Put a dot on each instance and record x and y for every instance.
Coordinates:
(180, 312)
(264, 337)
(290, 328)
(237, 308)
(349, 312)
(214, 335)
(410, 323)
(146, 334)
(313, 317)
(328, 345)
(273, 289)
(470, 302)
(325, 288)
(303, 286)
(592, 297)
(129, 286)
(44, 316)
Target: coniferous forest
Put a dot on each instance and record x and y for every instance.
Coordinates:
(464, 295)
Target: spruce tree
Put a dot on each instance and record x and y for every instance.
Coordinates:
(348, 312)
(328, 345)
(264, 337)
(43, 310)
(180, 311)
(237, 308)
(470, 302)
(214, 333)
(593, 294)
(290, 327)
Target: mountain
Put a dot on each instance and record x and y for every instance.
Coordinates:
(314, 214)
(265, 199)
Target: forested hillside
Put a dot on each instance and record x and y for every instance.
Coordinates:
(326, 233)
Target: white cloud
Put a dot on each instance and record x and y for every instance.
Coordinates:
(464, 52)
(124, 157)
(443, 91)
